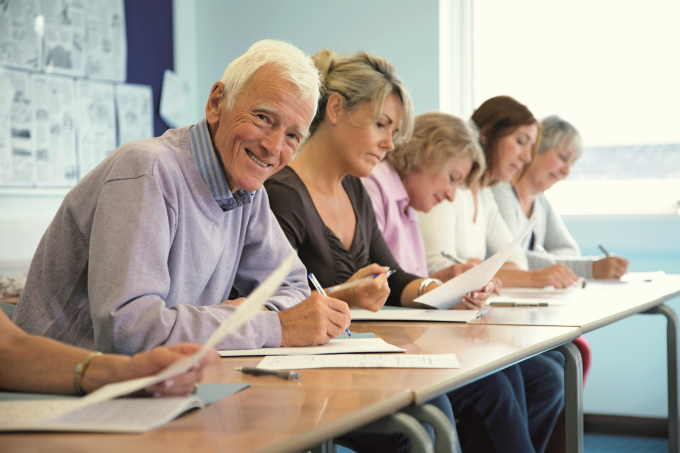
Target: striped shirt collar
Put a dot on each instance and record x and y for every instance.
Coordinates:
(211, 171)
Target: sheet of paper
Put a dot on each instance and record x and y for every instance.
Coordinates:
(643, 277)
(302, 362)
(55, 131)
(64, 37)
(106, 40)
(546, 290)
(334, 346)
(17, 148)
(96, 114)
(450, 293)
(174, 97)
(134, 108)
(21, 30)
(415, 314)
(240, 316)
(6, 100)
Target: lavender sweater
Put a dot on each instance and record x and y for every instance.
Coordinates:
(139, 254)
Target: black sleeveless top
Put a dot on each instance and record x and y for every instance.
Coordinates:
(320, 250)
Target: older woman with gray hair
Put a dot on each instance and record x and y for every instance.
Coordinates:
(550, 242)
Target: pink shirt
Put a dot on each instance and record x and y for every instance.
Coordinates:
(396, 219)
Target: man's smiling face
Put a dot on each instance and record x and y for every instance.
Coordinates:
(260, 133)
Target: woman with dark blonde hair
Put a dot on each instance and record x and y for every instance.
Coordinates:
(324, 209)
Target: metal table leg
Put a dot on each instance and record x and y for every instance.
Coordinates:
(573, 397)
(672, 351)
(403, 424)
(446, 438)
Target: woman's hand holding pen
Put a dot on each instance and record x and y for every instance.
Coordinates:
(610, 267)
(370, 295)
(558, 275)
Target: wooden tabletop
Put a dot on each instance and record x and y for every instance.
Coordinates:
(480, 349)
(274, 415)
(599, 304)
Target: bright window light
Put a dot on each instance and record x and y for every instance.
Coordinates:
(611, 69)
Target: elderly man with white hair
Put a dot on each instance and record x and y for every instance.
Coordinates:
(146, 248)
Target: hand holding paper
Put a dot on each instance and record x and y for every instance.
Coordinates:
(450, 293)
(241, 315)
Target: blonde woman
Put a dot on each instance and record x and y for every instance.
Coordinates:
(328, 217)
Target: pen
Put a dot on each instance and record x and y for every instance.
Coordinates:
(287, 375)
(604, 250)
(335, 288)
(519, 304)
(319, 288)
(540, 248)
(450, 257)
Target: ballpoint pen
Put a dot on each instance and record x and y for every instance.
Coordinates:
(540, 248)
(319, 288)
(519, 304)
(604, 250)
(450, 257)
(287, 375)
(347, 285)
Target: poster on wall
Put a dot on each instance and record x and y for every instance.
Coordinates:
(17, 148)
(64, 51)
(21, 28)
(106, 40)
(134, 112)
(55, 131)
(96, 119)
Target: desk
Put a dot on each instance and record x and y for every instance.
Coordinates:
(280, 416)
(598, 305)
(602, 303)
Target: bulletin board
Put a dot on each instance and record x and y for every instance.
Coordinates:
(77, 80)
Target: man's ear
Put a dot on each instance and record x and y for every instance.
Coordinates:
(212, 109)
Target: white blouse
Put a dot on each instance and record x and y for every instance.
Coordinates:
(450, 227)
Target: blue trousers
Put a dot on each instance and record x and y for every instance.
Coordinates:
(510, 411)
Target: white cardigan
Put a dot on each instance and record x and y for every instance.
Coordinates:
(449, 227)
(549, 231)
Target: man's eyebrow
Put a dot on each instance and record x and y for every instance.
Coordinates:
(268, 108)
(303, 131)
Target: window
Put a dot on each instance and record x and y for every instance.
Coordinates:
(611, 69)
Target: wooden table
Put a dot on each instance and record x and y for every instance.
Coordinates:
(281, 416)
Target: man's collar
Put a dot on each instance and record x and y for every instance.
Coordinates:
(211, 171)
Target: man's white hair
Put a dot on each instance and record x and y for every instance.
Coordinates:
(295, 67)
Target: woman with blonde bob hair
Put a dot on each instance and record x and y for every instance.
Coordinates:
(442, 154)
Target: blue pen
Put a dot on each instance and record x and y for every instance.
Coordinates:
(319, 288)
